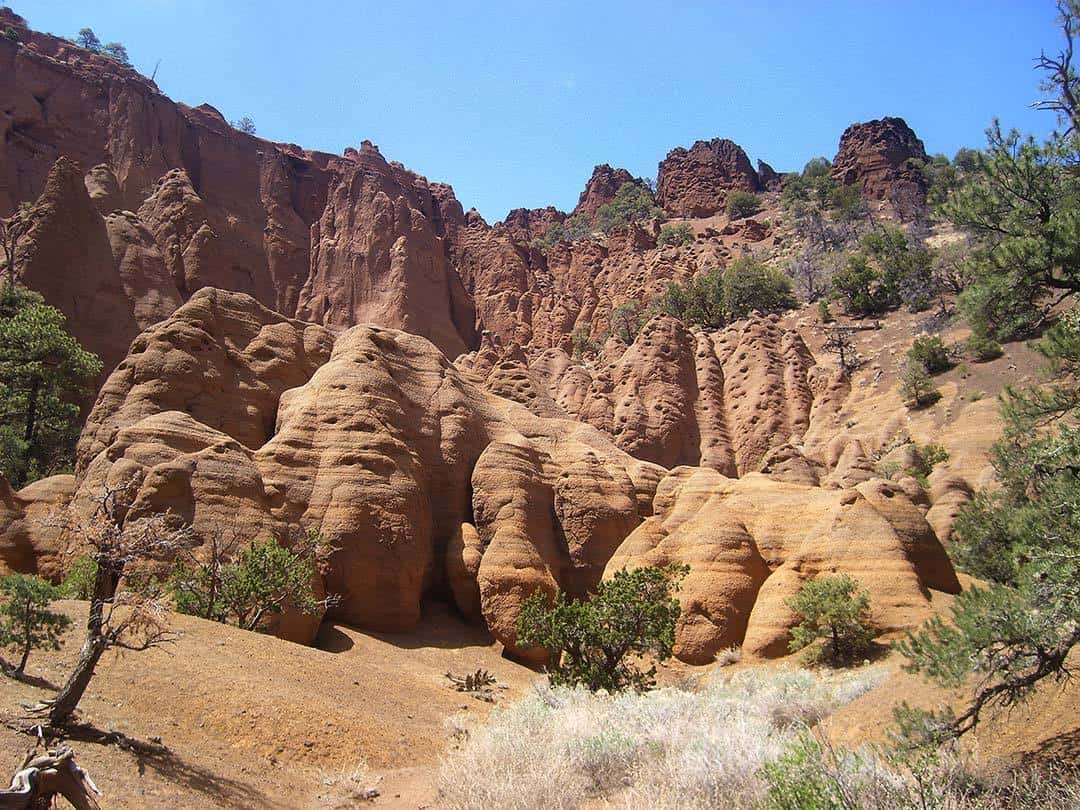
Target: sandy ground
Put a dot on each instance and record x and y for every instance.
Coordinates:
(245, 720)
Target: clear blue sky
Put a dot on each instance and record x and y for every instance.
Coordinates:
(513, 103)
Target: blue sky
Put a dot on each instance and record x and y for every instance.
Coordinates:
(513, 103)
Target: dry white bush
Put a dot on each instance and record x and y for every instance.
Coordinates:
(730, 655)
(666, 748)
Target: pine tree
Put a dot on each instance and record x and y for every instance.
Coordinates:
(1025, 539)
(44, 371)
(26, 622)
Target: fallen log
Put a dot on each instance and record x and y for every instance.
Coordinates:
(43, 777)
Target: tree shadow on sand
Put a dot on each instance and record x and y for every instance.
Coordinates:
(223, 791)
(33, 680)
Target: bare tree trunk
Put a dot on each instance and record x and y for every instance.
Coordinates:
(67, 700)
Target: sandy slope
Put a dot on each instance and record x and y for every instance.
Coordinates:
(252, 721)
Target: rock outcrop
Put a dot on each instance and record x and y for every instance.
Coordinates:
(694, 182)
(751, 543)
(601, 189)
(30, 542)
(883, 157)
(526, 224)
(674, 397)
(377, 256)
(234, 418)
(241, 421)
(768, 177)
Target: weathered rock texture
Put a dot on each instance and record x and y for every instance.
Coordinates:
(240, 421)
(247, 299)
(245, 424)
(882, 157)
(694, 182)
(601, 189)
(674, 397)
(750, 544)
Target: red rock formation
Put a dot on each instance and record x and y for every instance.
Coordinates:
(882, 158)
(601, 189)
(695, 182)
(723, 400)
(525, 224)
(68, 257)
(378, 258)
(230, 415)
(768, 176)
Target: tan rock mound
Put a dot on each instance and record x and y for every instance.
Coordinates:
(28, 544)
(229, 415)
(221, 358)
(753, 541)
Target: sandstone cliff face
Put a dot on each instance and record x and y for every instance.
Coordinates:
(880, 156)
(378, 258)
(68, 257)
(722, 400)
(694, 182)
(243, 422)
(525, 224)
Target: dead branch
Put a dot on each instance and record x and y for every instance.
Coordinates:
(42, 777)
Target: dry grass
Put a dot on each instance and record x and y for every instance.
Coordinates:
(745, 742)
(729, 656)
(667, 748)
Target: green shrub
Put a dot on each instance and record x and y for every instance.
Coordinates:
(716, 298)
(930, 455)
(79, 582)
(983, 349)
(861, 287)
(739, 204)
(590, 642)
(699, 301)
(26, 623)
(44, 372)
(675, 234)
(245, 125)
(584, 346)
(824, 313)
(264, 579)
(633, 202)
(11, 33)
(931, 352)
(750, 284)
(626, 321)
(117, 52)
(835, 609)
(88, 39)
(800, 779)
(572, 229)
(916, 386)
